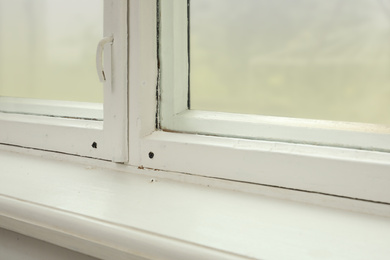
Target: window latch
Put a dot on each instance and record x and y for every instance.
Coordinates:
(99, 57)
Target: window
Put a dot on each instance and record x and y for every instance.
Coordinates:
(51, 97)
(343, 159)
(48, 41)
(150, 125)
(322, 60)
(166, 139)
(176, 116)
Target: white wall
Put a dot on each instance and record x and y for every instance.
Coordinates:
(14, 246)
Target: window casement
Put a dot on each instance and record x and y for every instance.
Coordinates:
(342, 159)
(79, 128)
(170, 163)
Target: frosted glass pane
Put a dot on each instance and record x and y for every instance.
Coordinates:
(47, 49)
(302, 58)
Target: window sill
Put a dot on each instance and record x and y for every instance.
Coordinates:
(110, 214)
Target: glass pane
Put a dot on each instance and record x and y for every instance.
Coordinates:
(47, 49)
(303, 58)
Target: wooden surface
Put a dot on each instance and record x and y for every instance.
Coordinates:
(108, 214)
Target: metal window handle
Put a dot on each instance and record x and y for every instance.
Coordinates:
(99, 57)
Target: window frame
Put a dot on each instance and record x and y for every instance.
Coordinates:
(175, 114)
(338, 171)
(105, 139)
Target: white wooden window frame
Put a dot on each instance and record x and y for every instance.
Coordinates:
(67, 126)
(122, 212)
(343, 170)
(175, 115)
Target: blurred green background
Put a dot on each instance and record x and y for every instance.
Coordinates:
(303, 58)
(48, 47)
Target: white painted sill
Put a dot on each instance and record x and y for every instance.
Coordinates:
(112, 214)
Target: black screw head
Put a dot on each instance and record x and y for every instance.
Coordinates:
(94, 145)
(151, 155)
